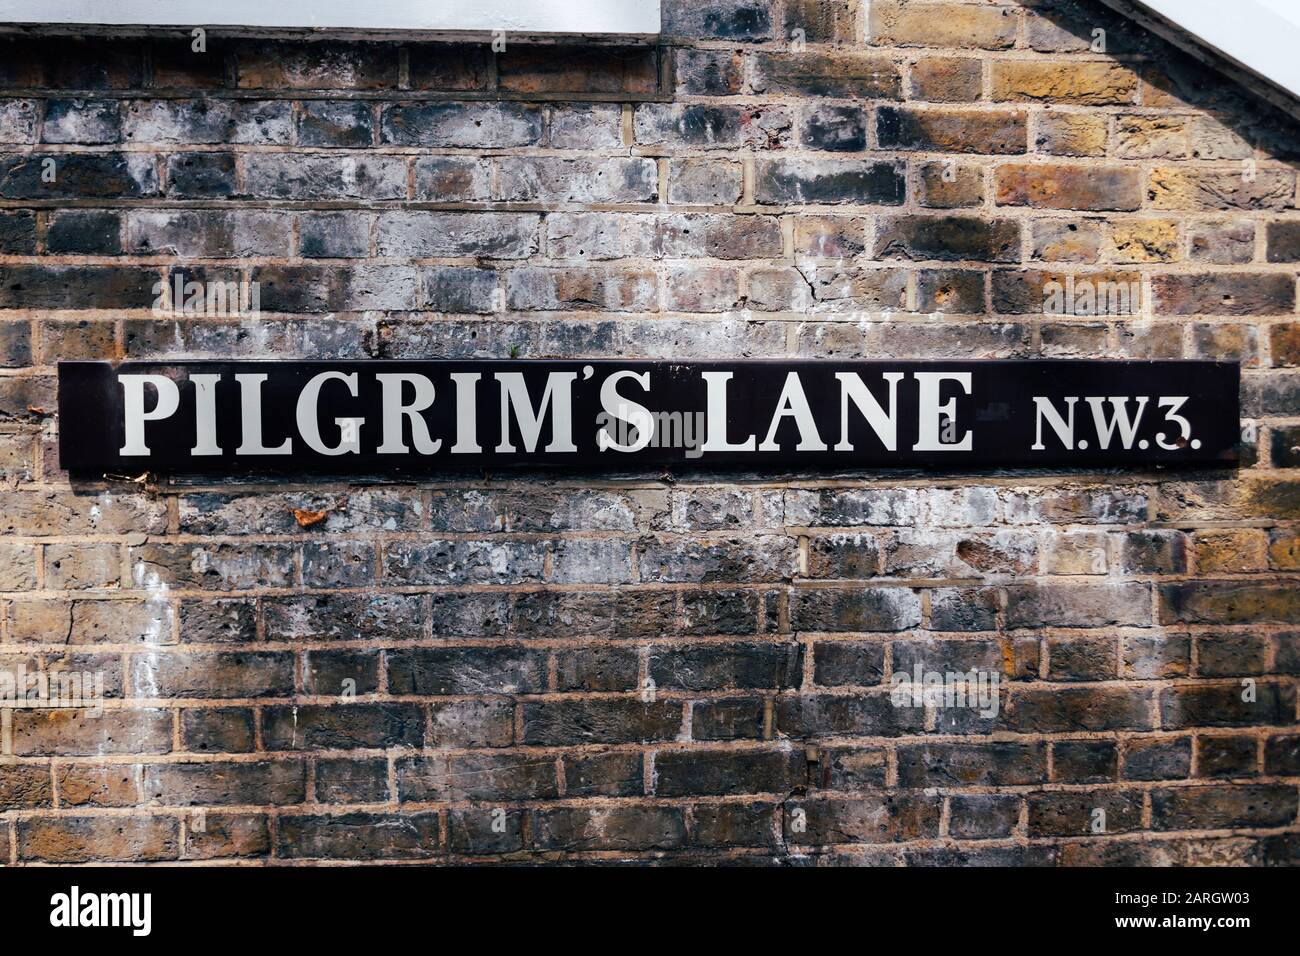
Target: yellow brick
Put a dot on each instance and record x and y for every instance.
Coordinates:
(1144, 240)
(1055, 81)
(1231, 551)
(943, 25)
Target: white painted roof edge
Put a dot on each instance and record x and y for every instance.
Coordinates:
(608, 17)
(1254, 33)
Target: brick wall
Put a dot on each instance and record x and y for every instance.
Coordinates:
(641, 666)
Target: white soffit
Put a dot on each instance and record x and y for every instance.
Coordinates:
(1261, 35)
(591, 17)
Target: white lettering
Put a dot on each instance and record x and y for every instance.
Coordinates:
(931, 411)
(309, 420)
(394, 411)
(514, 397)
(134, 415)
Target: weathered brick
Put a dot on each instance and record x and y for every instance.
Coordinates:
(275, 176)
(948, 237)
(1227, 243)
(709, 126)
(858, 609)
(589, 126)
(449, 179)
(835, 715)
(295, 288)
(1154, 552)
(466, 670)
(953, 131)
(94, 122)
(732, 824)
(345, 673)
(873, 819)
(1069, 187)
(1144, 240)
(477, 832)
(1281, 754)
(207, 234)
(1075, 814)
(715, 182)
(20, 120)
(342, 726)
(1223, 705)
(226, 835)
(1073, 709)
(475, 777)
(946, 79)
(472, 723)
(335, 123)
(781, 181)
(67, 732)
(1192, 188)
(708, 72)
(614, 720)
(78, 839)
(1157, 758)
(948, 185)
(208, 121)
(218, 730)
(1084, 761)
(1218, 294)
(239, 674)
(17, 233)
(982, 816)
(1071, 134)
(597, 669)
(449, 66)
(83, 566)
(1048, 81)
(352, 781)
(834, 128)
(616, 180)
(981, 764)
(727, 667)
(964, 609)
(366, 836)
(419, 235)
(743, 20)
(615, 828)
(727, 719)
(564, 289)
(1078, 605)
(25, 787)
(1217, 808)
(1227, 757)
(682, 772)
(202, 174)
(577, 69)
(265, 782)
(467, 125)
(1229, 602)
(324, 65)
(897, 23)
(826, 74)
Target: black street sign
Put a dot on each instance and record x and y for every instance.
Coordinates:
(426, 416)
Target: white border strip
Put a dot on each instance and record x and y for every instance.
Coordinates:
(595, 17)
(1255, 33)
